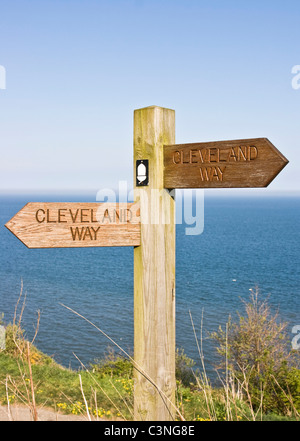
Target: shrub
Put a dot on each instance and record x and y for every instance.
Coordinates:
(184, 368)
(113, 365)
(256, 355)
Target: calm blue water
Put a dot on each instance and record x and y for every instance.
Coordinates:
(246, 242)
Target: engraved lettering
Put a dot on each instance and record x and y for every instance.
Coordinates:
(75, 216)
(116, 215)
(220, 171)
(61, 215)
(212, 173)
(95, 231)
(128, 215)
(193, 155)
(37, 216)
(183, 159)
(253, 152)
(242, 153)
(212, 155)
(176, 157)
(232, 155)
(82, 215)
(204, 174)
(77, 232)
(82, 233)
(106, 216)
(202, 158)
(221, 157)
(87, 233)
(49, 221)
(216, 155)
(93, 219)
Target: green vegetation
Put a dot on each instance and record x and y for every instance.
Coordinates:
(259, 373)
(257, 360)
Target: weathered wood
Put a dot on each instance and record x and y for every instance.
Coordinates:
(68, 224)
(222, 164)
(154, 272)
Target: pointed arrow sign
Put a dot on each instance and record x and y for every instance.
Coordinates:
(63, 225)
(239, 163)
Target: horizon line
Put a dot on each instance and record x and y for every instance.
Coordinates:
(228, 192)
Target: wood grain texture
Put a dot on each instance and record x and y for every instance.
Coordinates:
(222, 164)
(154, 272)
(68, 224)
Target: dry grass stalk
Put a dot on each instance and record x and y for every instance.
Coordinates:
(135, 365)
(7, 399)
(203, 382)
(288, 397)
(33, 404)
(24, 360)
(123, 399)
(84, 399)
(100, 387)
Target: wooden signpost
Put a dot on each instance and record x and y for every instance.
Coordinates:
(154, 271)
(68, 224)
(222, 164)
(149, 226)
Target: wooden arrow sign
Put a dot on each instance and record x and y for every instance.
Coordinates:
(63, 225)
(238, 163)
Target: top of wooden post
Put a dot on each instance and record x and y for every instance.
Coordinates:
(153, 107)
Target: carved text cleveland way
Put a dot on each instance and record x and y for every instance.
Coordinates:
(222, 164)
(69, 224)
(212, 156)
(83, 216)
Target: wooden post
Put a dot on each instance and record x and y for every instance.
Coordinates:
(154, 272)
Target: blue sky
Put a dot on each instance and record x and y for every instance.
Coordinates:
(76, 70)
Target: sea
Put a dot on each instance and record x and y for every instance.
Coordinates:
(247, 243)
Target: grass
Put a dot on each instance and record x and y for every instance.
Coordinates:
(59, 388)
(105, 388)
(108, 390)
